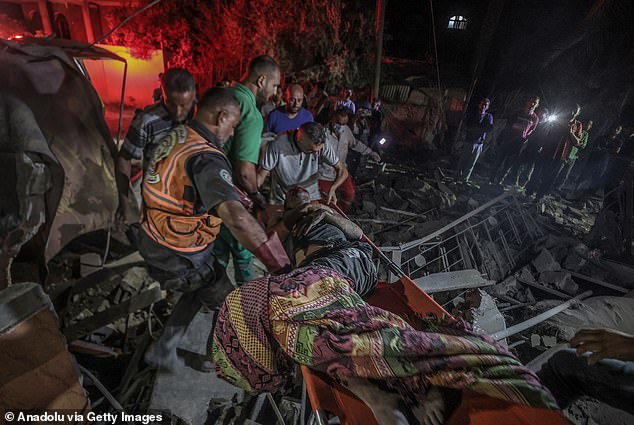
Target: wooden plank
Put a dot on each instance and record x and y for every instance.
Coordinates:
(545, 288)
(103, 318)
(598, 282)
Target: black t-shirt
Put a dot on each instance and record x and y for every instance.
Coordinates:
(211, 174)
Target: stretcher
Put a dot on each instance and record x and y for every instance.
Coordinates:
(406, 299)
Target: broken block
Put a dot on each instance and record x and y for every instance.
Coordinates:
(545, 262)
(38, 371)
(560, 280)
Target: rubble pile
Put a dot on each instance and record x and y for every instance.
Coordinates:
(114, 291)
(397, 204)
(578, 217)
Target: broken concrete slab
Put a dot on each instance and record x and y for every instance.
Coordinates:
(545, 262)
(38, 371)
(597, 312)
(449, 281)
(487, 319)
(561, 280)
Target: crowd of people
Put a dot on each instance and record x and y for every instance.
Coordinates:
(542, 151)
(250, 170)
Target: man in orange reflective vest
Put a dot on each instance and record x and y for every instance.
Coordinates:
(187, 193)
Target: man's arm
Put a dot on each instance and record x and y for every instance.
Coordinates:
(250, 234)
(133, 144)
(246, 176)
(604, 344)
(262, 175)
(241, 224)
(363, 149)
(342, 175)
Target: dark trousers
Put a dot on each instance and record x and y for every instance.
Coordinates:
(544, 177)
(200, 279)
(505, 160)
(468, 159)
(569, 377)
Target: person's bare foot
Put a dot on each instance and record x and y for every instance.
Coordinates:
(384, 404)
(431, 410)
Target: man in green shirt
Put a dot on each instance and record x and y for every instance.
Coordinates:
(574, 154)
(243, 150)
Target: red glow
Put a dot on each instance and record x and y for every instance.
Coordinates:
(142, 79)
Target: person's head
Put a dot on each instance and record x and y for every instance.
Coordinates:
(294, 98)
(264, 74)
(531, 103)
(339, 120)
(377, 104)
(588, 125)
(296, 197)
(179, 93)
(311, 137)
(483, 106)
(219, 111)
(346, 94)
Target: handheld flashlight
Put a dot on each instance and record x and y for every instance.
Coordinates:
(382, 141)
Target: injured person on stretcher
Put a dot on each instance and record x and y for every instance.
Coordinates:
(315, 315)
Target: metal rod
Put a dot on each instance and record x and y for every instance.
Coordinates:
(539, 318)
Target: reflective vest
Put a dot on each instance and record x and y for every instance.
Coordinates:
(169, 215)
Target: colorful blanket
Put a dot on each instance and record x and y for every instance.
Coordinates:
(313, 316)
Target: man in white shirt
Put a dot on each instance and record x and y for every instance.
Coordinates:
(342, 139)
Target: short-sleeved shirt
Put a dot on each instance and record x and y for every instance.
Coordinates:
(353, 259)
(211, 174)
(519, 127)
(291, 167)
(147, 127)
(278, 121)
(245, 143)
(340, 145)
(348, 104)
(574, 151)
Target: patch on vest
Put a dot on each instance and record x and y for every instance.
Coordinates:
(226, 176)
(156, 152)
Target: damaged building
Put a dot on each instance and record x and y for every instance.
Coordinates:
(490, 251)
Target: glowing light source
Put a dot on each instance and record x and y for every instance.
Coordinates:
(382, 141)
(551, 118)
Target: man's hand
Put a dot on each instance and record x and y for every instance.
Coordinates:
(122, 213)
(603, 344)
(332, 196)
(375, 156)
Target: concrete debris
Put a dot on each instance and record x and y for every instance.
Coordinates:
(545, 262)
(576, 216)
(597, 312)
(40, 372)
(118, 290)
(487, 319)
(449, 281)
(560, 280)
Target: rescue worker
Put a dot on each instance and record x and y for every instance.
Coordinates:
(175, 106)
(243, 150)
(188, 193)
